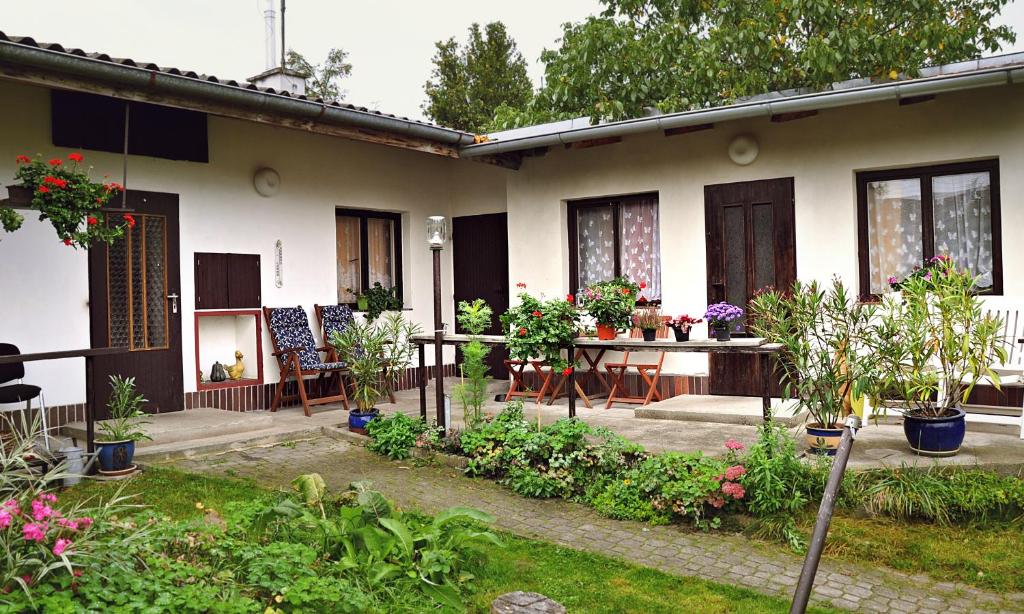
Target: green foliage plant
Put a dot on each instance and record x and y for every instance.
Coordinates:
(470, 82)
(376, 353)
(822, 333)
(126, 416)
(380, 299)
(474, 318)
(536, 328)
(396, 435)
(611, 302)
(678, 55)
(398, 350)
(932, 341)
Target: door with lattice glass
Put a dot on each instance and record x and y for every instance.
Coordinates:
(134, 303)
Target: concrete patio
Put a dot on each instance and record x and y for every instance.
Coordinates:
(682, 424)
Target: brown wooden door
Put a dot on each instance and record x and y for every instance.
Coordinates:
(134, 288)
(480, 254)
(751, 244)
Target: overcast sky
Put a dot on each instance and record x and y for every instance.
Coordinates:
(390, 42)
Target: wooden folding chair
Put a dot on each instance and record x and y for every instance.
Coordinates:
(649, 373)
(517, 387)
(336, 318)
(298, 356)
(556, 383)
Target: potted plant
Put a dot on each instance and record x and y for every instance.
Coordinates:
(64, 195)
(648, 320)
(380, 299)
(398, 352)
(823, 362)
(369, 350)
(933, 344)
(541, 329)
(611, 303)
(362, 301)
(681, 326)
(720, 317)
(116, 445)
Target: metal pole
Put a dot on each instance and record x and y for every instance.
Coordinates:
(284, 49)
(572, 381)
(438, 341)
(423, 380)
(828, 503)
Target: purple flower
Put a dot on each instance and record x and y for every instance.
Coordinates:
(722, 313)
(892, 280)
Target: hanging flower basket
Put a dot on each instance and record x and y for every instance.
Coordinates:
(63, 194)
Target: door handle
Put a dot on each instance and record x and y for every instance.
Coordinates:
(174, 302)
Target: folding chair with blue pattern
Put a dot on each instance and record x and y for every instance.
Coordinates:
(298, 356)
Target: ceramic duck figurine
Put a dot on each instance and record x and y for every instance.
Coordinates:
(236, 370)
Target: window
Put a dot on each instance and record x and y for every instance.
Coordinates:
(610, 237)
(910, 215)
(369, 250)
(137, 284)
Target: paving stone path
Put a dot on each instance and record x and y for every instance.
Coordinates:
(726, 558)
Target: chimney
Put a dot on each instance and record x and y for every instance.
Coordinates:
(279, 78)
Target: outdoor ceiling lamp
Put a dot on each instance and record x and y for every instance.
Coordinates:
(437, 231)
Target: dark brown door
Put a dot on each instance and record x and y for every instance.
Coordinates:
(134, 303)
(751, 244)
(480, 253)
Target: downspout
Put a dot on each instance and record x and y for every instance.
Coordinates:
(158, 82)
(809, 102)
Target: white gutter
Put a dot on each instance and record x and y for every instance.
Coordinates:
(768, 108)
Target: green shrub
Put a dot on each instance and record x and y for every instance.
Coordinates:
(624, 500)
(395, 435)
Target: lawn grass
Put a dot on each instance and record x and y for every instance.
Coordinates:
(583, 582)
(990, 557)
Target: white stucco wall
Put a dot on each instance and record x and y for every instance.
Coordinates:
(44, 285)
(821, 153)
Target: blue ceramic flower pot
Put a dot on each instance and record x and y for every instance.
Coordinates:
(115, 456)
(357, 420)
(935, 436)
(823, 441)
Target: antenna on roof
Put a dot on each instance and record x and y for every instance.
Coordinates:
(283, 47)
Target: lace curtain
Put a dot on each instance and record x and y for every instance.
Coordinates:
(963, 222)
(639, 243)
(894, 230)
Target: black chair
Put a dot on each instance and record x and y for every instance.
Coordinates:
(20, 392)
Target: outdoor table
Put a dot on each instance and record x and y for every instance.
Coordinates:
(582, 347)
(741, 345)
(90, 400)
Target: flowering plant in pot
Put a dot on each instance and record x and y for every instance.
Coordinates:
(536, 328)
(822, 360)
(933, 344)
(64, 195)
(116, 445)
(681, 326)
(611, 303)
(648, 320)
(720, 317)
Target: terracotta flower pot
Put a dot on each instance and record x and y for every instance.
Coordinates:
(605, 332)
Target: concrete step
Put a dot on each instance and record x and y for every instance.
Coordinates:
(189, 426)
(172, 451)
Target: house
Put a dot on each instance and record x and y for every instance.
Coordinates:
(265, 198)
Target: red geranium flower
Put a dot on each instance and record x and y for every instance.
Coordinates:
(67, 241)
(131, 220)
(567, 371)
(522, 332)
(520, 285)
(570, 298)
(55, 181)
(43, 189)
(537, 314)
(22, 160)
(643, 285)
(56, 162)
(91, 220)
(626, 291)
(75, 157)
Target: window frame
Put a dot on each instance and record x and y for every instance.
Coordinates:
(573, 207)
(925, 174)
(364, 248)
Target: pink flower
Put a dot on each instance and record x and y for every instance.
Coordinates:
(61, 545)
(734, 472)
(85, 521)
(5, 519)
(892, 279)
(41, 511)
(732, 444)
(67, 523)
(716, 501)
(48, 497)
(12, 506)
(734, 490)
(34, 532)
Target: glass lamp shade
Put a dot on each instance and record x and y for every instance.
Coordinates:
(437, 231)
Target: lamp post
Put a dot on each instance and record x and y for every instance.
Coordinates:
(437, 233)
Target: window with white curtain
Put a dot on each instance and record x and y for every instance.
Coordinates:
(616, 237)
(907, 216)
(368, 251)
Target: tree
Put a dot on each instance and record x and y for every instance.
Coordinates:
(687, 54)
(324, 79)
(469, 83)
